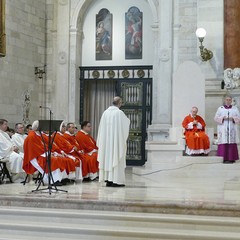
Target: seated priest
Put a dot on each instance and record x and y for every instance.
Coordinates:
(35, 157)
(69, 163)
(196, 139)
(69, 150)
(89, 148)
(19, 136)
(69, 135)
(10, 151)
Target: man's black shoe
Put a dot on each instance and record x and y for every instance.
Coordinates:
(64, 181)
(86, 179)
(228, 162)
(109, 184)
(57, 183)
(118, 185)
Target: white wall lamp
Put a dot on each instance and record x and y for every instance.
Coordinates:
(205, 53)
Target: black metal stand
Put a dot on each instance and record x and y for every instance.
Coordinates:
(228, 133)
(48, 126)
(228, 130)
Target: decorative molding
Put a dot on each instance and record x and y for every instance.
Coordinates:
(62, 58)
(26, 106)
(232, 78)
(63, 2)
(164, 55)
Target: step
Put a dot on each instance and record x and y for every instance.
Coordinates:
(23, 223)
(199, 159)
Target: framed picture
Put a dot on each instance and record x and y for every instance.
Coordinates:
(2, 29)
(133, 33)
(104, 35)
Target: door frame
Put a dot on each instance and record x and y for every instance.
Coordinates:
(130, 74)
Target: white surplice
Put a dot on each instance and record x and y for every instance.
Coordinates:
(227, 130)
(18, 140)
(112, 145)
(6, 151)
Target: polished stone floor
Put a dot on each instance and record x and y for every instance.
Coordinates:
(210, 189)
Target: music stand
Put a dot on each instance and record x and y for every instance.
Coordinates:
(51, 126)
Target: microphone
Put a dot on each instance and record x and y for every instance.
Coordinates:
(44, 107)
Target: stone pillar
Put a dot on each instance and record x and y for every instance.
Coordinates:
(162, 75)
(74, 83)
(62, 64)
(231, 33)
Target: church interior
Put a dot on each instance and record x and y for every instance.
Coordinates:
(65, 60)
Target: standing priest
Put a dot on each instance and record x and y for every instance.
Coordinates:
(112, 145)
(227, 118)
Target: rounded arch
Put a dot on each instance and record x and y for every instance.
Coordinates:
(84, 4)
(78, 12)
(75, 30)
(153, 6)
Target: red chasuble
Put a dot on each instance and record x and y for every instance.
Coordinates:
(88, 145)
(196, 139)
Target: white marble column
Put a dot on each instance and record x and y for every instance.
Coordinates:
(74, 83)
(162, 75)
(62, 62)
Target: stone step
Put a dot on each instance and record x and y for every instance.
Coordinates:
(24, 223)
(199, 159)
(188, 167)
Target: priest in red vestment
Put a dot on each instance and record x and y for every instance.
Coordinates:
(196, 139)
(89, 148)
(69, 163)
(68, 149)
(35, 157)
(69, 135)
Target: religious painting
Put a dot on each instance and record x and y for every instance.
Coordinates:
(133, 33)
(104, 35)
(2, 29)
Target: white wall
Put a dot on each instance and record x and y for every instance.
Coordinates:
(188, 91)
(210, 15)
(118, 9)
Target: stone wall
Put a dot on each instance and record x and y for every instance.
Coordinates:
(25, 49)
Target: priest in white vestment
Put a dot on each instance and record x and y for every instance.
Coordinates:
(228, 118)
(112, 145)
(19, 136)
(10, 151)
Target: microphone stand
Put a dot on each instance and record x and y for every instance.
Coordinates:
(228, 132)
(228, 129)
(48, 151)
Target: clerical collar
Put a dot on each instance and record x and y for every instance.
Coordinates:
(67, 132)
(84, 132)
(227, 107)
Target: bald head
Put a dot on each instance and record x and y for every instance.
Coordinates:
(35, 125)
(194, 111)
(117, 101)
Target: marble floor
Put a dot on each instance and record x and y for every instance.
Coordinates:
(189, 189)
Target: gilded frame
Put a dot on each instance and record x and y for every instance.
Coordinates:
(2, 29)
